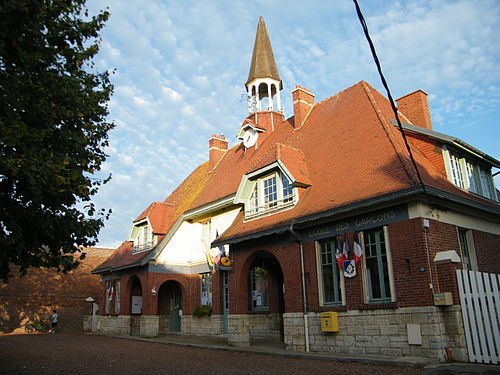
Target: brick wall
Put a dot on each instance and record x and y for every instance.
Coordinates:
(40, 291)
(410, 263)
(487, 248)
(430, 148)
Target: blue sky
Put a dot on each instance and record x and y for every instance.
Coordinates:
(181, 66)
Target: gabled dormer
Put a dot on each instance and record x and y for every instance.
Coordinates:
(249, 133)
(149, 227)
(274, 183)
(470, 170)
(141, 234)
(465, 166)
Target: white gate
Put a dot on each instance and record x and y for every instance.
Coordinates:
(480, 301)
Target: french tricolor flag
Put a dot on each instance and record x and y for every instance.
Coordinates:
(357, 249)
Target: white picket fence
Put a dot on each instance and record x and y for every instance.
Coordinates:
(480, 301)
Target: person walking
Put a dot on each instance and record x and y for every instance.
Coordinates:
(53, 322)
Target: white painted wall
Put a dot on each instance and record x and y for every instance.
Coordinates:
(186, 245)
(450, 217)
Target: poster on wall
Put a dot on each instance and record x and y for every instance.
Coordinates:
(349, 267)
(136, 304)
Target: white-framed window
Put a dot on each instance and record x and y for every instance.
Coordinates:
(466, 244)
(468, 174)
(269, 193)
(456, 170)
(378, 278)
(206, 289)
(331, 277)
(144, 238)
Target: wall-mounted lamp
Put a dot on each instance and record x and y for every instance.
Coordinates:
(153, 291)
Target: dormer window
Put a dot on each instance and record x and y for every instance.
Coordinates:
(468, 174)
(274, 187)
(142, 237)
(270, 193)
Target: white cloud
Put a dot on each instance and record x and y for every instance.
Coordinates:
(172, 95)
(181, 66)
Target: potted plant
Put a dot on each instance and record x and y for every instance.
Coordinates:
(203, 311)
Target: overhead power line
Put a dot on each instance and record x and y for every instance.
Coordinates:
(389, 96)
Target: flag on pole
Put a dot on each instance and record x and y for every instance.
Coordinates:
(357, 249)
(345, 246)
(217, 259)
(221, 253)
(108, 290)
(340, 255)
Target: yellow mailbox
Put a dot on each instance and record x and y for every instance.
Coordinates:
(329, 321)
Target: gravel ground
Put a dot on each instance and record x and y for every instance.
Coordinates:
(76, 353)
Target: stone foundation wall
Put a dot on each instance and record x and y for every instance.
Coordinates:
(205, 326)
(163, 324)
(149, 325)
(382, 332)
(265, 326)
(239, 330)
(114, 325)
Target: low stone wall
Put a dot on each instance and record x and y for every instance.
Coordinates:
(204, 326)
(382, 332)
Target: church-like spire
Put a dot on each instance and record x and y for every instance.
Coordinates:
(263, 78)
(263, 64)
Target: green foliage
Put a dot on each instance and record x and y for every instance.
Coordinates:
(202, 311)
(53, 131)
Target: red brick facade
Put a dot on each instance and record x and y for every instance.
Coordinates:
(412, 246)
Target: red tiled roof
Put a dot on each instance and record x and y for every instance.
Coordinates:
(352, 151)
(122, 256)
(159, 214)
(347, 150)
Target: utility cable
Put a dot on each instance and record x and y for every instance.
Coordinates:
(384, 82)
(389, 96)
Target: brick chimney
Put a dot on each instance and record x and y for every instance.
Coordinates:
(415, 107)
(217, 146)
(303, 101)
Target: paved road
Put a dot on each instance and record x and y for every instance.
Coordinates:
(75, 353)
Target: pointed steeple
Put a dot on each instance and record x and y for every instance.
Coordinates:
(263, 78)
(263, 63)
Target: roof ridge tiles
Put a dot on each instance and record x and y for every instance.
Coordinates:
(340, 93)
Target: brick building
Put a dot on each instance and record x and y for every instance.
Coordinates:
(40, 291)
(320, 212)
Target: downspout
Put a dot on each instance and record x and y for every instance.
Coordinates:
(303, 278)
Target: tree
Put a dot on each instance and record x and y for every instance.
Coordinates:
(53, 132)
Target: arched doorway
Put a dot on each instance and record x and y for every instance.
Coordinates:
(266, 295)
(135, 306)
(170, 307)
